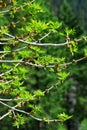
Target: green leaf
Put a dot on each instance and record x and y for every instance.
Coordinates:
(63, 117)
(69, 31)
(63, 76)
(38, 93)
(20, 120)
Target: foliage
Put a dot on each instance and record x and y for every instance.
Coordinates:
(78, 76)
(83, 125)
(28, 65)
(63, 117)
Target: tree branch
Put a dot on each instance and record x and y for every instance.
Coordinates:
(8, 10)
(39, 65)
(43, 44)
(27, 113)
(5, 115)
(9, 70)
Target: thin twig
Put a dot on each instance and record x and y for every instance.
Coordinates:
(44, 36)
(27, 113)
(16, 50)
(6, 82)
(9, 70)
(16, 99)
(8, 10)
(43, 44)
(5, 115)
(39, 65)
(37, 44)
(22, 48)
